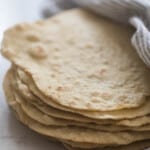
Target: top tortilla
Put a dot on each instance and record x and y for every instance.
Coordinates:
(80, 61)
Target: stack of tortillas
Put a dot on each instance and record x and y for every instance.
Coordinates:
(76, 78)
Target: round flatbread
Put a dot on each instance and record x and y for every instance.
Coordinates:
(101, 115)
(80, 61)
(74, 134)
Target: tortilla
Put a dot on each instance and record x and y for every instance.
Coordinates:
(81, 61)
(115, 115)
(74, 134)
(27, 94)
(42, 118)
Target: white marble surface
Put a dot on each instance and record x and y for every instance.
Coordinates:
(13, 135)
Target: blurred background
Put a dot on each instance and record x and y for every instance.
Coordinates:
(15, 11)
(11, 13)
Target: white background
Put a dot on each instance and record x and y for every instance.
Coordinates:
(13, 135)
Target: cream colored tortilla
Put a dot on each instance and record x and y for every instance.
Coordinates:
(48, 120)
(42, 118)
(26, 93)
(136, 122)
(74, 134)
(83, 135)
(115, 115)
(80, 61)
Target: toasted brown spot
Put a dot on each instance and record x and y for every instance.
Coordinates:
(32, 38)
(72, 103)
(106, 95)
(71, 41)
(56, 48)
(95, 100)
(88, 105)
(9, 53)
(19, 27)
(77, 82)
(76, 98)
(101, 71)
(60, 88)
(53, 75)
(38, 52)
(106, 62)
(95, 94)
(49, 87)
(123, 97)
(56, 67)
(89, 45)
(98, 74)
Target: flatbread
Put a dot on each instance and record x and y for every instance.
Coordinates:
(115, 115)
(80, 61)
(27, 94)
(74, 134)
(83, 135)
(42, 118)
(45, 119)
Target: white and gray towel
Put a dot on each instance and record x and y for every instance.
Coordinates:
(132, 12)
